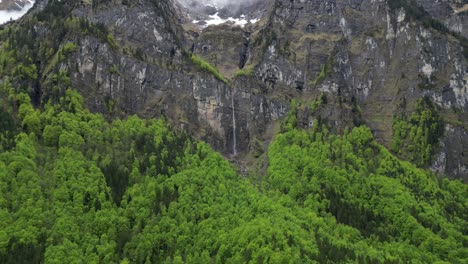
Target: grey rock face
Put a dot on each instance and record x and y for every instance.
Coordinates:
(370, 62)
(455, 143)
(381, 60)
(162, 81)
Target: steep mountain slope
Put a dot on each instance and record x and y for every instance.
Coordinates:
(372, 59)
(372, 62)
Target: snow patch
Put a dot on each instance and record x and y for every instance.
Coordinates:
(157, 35)
(427, 69)
(217, 20)
(401, 16)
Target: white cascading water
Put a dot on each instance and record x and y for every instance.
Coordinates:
(234, 136)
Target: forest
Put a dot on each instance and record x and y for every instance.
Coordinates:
(78, 188)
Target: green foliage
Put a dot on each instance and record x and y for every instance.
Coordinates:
(370, 206)
(51, 135)
(325, 70)
(8, 120)
(26, 72)
(204, 65)
(76, 188)
(317, 103)
(111, 40)
(247, 71)
(114, 69)
(321, 76)
(417, 137)
(290, 121)
(68, 48)
(31, 121)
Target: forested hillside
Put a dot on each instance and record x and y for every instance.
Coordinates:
(77, 188)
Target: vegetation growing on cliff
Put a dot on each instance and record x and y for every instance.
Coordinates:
(204, 65)
(417, 136)
(247, 71)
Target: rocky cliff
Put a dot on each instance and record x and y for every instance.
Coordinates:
(342, 63)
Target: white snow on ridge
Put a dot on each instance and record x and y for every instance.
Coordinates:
(6, 16)
(255, 20)
(216, 20)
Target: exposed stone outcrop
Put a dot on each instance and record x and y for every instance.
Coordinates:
(371, 63)
(381, 60)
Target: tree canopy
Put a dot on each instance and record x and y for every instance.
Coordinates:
(76, 188)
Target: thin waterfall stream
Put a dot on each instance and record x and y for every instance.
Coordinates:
(234, 136)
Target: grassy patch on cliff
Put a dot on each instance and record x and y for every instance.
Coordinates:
(416, 137)
(247, 71)
(204, 65)
(325, 71)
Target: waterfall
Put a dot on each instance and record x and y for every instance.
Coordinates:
(234, 136)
